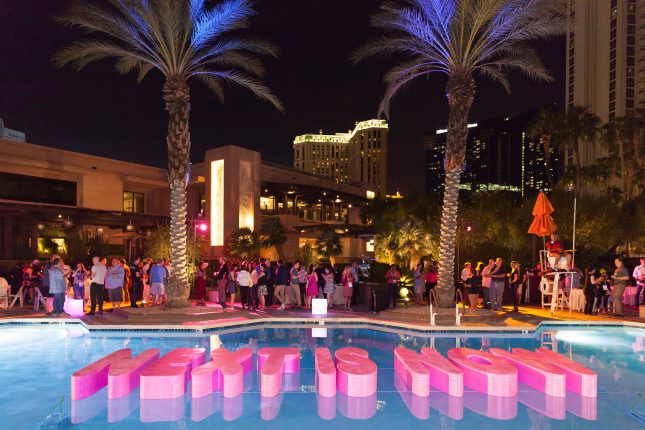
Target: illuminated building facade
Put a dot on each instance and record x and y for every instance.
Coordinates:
(500, 156)
(605, 62)
(231, 188)
(358, 157)
(9, 134)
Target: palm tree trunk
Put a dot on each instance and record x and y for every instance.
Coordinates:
(546, 146)
(177, 97)
(460, 91)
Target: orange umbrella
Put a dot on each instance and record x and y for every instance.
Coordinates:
(543, 224)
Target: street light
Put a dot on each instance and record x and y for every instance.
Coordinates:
(572, 189)
(468, 228)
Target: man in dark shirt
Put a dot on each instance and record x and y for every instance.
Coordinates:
(282, 279)
(498, 275)
(222, 281)
(136, 273)
(320, 271)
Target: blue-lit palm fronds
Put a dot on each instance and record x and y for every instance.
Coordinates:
(462, 37)
(180, 38)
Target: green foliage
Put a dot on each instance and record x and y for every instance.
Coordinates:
(328, 244)
(82, 245)
(157, 245)
(307, 255)
(272, 233)
(405, 243)
(244, 243)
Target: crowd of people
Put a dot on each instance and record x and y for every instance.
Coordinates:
(49, 281)
(260, 284)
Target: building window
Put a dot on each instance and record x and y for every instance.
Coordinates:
(132, 202)
(202, 203)
(37, 190)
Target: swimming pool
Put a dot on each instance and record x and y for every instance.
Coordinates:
(36, 363)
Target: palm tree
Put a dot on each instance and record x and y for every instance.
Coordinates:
(272, 234)
(579, 125)
(181, 39)
(460, 38)
(243, 243)
(405, 244)
(328, 245)
(544, 126)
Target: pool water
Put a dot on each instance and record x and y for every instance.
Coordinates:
(36, 364)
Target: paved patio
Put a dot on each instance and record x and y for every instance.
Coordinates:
(528, 317)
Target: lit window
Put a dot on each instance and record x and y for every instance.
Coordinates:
(133, 202)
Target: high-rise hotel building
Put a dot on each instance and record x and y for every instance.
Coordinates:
(358, 157)
(605, 61)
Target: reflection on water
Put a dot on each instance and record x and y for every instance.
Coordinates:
(616, 355)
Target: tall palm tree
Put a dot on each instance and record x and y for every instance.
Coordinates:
(182, 39)
(460, 38)
(579, 125)
(544, 126)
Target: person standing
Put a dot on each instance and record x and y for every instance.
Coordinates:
(281, 282)
(590, 293)
(200, 283)
(243, 279)
(269, 281)
(97, 275)
(232, 284)
(312, 286)
(620, 278)
(392, 277)
(347, 279)
(431, 279)
(136, 275)
(260, 285)
(356, 273)
(601, 287)
(515, 282)
(114, 283)
(79, 277)
(158, 276)
(417, 274)
(475, 285)
(330, 286)
(295, 283)
(57, 287)
(639, 276)
(465, 276)
(498, 275)
(302, 281)
(486, 283)
(222, 282)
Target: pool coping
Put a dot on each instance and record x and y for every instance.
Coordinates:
(335, 322)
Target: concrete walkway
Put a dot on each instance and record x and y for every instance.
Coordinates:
(415, 316)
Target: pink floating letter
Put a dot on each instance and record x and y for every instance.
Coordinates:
(356, 373)
(225, 372)
(420, 371)
(535, 372)
(119, 371)
(167, 378)
(325, 373)
(272, 363)
(580, 380)
(484, 372)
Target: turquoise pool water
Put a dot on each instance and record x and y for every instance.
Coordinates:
(36, 364)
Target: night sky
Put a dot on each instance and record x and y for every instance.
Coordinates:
(100, 112)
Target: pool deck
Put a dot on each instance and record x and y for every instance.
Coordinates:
(414, 317)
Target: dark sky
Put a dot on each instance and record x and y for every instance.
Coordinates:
(100, 112)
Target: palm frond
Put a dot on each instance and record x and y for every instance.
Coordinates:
(181, 38)
(243, 80)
